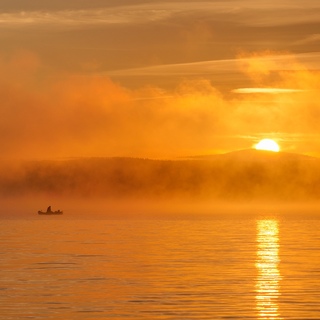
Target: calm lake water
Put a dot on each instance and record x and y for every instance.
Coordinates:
(218, 268)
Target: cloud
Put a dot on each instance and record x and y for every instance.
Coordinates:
(80, 18)
(267, 60)
(46, 115)
(178, 38)
(313, 38)
(266, 90)
(250, 12)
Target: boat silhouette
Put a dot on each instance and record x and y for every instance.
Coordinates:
(49, 211)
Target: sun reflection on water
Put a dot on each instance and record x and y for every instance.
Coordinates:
(267, 261)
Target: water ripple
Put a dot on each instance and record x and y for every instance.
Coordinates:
(173, 270)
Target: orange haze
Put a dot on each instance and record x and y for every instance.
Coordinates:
(50, 114)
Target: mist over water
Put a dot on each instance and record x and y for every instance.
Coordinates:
(236, 180)
(244, 267)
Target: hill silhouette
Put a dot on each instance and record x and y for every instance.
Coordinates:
(254, 155)
(240, 175)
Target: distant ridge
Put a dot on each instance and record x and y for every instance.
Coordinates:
(254, 155)
(262, 155)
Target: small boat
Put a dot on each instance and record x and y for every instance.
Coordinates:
(52, 212)
(49, 211)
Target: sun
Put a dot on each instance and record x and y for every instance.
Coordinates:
(268, 145)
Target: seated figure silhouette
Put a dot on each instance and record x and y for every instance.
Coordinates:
(49, 209)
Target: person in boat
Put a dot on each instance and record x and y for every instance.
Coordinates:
(49, 209)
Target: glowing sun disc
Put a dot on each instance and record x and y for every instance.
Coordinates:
(268, 145)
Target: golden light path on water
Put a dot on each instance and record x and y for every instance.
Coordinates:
(267, 261)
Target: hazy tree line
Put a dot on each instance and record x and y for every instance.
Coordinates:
(227, 179)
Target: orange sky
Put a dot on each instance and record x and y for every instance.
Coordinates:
(157, 79)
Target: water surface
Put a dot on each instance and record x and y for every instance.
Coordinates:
(219, 268)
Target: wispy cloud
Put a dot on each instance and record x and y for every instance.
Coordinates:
(267, 90)
(193, 68)
(275, 63)
(82, 17)
(313, 38)
(249, 12)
